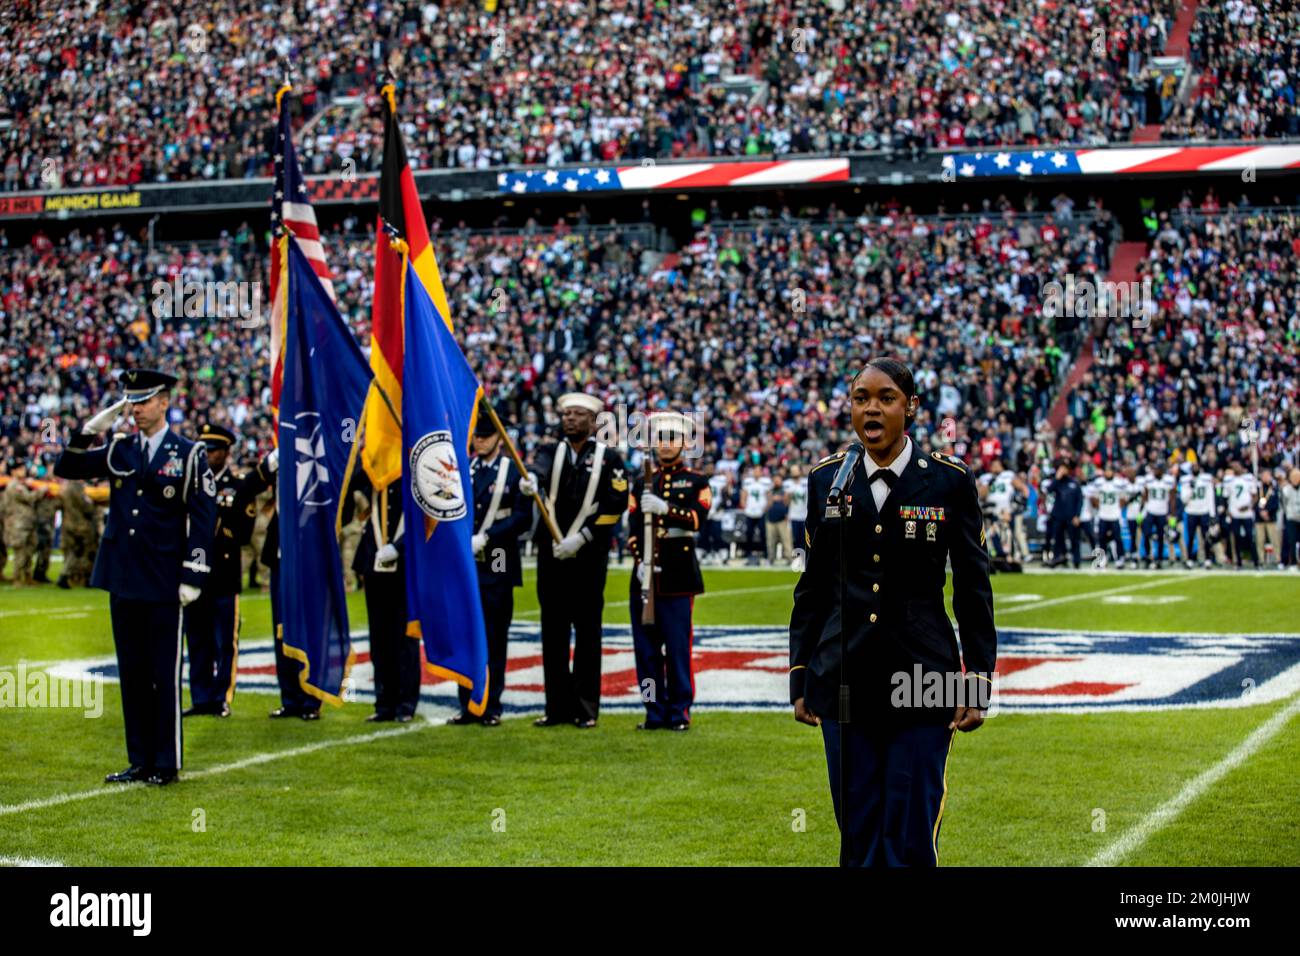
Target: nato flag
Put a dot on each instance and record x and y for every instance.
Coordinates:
(326, 379)
(440, 396)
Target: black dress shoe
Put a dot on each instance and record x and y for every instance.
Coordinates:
(160, 778)
(491, 720)
(378, 718)
(547, 722)
(129, 775)
(280, 712)
(192, 711)
(404, 718)
(679, 727)
(310, 715)
(586, 724)
(649, 725)
(462, 719)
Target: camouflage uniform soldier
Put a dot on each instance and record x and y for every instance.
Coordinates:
(350, 538)
(20, 524)
(78, 535)
(47, 507)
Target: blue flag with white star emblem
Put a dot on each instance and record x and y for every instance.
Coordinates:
(326, 379)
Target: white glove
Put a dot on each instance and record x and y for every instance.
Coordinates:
(273, 460)
(189, 594)
(643, 576)
(100, 421)
(568, 546)
(527, 486)
(478, 542)
(386, 555)
(652, 504)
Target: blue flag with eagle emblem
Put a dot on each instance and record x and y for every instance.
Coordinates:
(326, 379)
(440, 395)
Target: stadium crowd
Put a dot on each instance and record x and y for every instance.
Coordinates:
(1248, 61)
(106, 92)
(756, 327)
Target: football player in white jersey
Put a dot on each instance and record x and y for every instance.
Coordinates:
(1109, 495)
(1157, 495)
(1196, 489)
(1241, 489)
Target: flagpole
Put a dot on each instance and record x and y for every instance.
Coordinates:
(519, 463)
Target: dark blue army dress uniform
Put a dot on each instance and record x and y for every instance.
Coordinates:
(503, 514)
(212, 620)
(663, 649)
(899, 641)
(158, 536)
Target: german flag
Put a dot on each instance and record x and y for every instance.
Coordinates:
(401, 223)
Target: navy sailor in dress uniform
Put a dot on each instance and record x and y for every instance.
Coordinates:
(153, 560)
(679, 501)
(586, 490)
(503, 512)
(212, 619)
(906, 516)
(379, 561)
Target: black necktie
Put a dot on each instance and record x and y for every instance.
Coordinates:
(885, 475)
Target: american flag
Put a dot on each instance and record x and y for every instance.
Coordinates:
(291, 214)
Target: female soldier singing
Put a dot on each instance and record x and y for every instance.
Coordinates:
(903, 516)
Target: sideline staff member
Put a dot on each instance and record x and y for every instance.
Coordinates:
(907, 515)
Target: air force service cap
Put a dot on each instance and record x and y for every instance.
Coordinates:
(142, 384)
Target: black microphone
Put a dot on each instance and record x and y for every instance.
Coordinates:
(852, 455)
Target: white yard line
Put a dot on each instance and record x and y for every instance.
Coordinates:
(1167, 812)
(1083, 596)
(27, 861)
(267, 757)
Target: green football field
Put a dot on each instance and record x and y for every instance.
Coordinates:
(1199, 786)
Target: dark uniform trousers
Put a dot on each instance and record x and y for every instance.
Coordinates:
(394, 655)
(663, 656)
(571, 594)
(212, 634)
(498, 601)
(147, 635)
(895, 749)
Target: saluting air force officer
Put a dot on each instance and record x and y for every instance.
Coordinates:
(903, 517)
(153, 560)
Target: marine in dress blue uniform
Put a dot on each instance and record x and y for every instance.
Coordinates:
(678, 500)
(503, 513)
(379, 561)
(154, 558)
(212, 620)
(907, 691)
